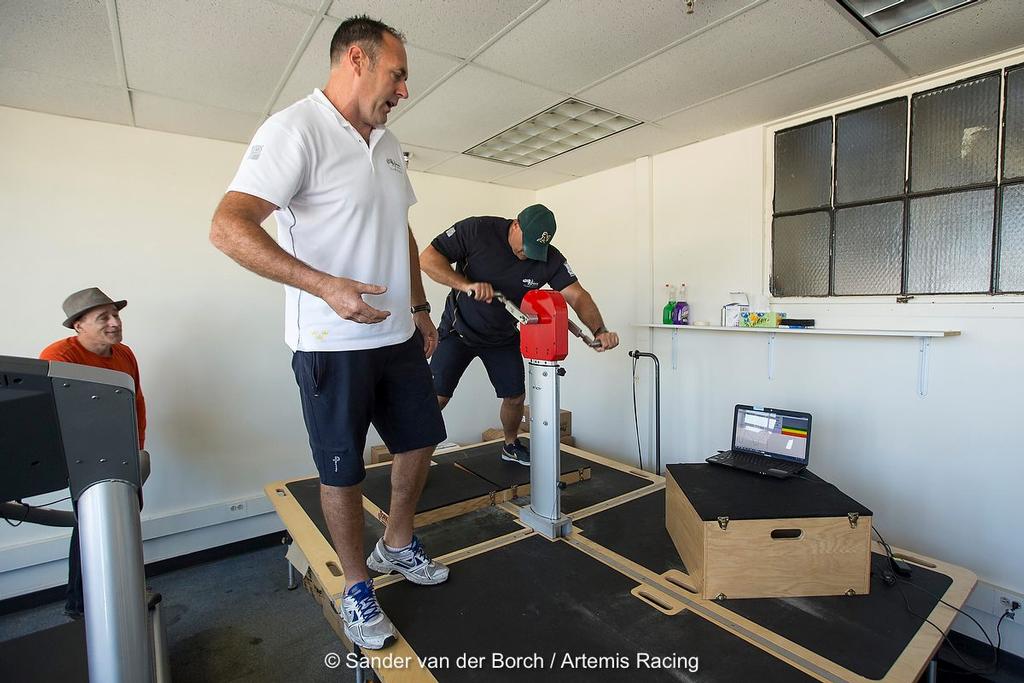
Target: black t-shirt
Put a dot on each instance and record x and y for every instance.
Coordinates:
(479, 247)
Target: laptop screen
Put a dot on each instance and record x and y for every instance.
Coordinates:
(776, 433)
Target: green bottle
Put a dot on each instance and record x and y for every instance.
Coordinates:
(666, 313)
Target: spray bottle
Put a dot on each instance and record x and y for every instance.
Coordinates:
(666, 312)
(681, 311)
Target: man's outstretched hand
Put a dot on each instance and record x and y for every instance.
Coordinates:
(345, 296)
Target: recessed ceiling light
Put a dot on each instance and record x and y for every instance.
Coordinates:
(885, 16)
(564, 127)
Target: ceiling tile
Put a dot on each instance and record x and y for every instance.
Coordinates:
(535, 50)
(180, 49)
(425, 68)
(424, 158)
(188, 118)
(534, 178)
(972, 32)
(69, 39)
(470, 107)
(770, 38)
(472, 168)
(39, 92)
(307, 6)
(455, 27)
(857, 71)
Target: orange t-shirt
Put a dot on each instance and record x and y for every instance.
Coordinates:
(122, 359)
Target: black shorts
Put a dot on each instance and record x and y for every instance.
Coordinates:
(504, 366)
(344, 392)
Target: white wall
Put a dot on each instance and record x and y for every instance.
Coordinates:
(942, 473)
(128, 210)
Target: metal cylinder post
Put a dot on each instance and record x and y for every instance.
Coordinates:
(113, 578)
(544, 513)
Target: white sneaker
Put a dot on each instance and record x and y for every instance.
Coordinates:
(365, 624)
(411, 562)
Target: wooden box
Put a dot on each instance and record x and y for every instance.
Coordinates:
(564, 422)
(743, 535)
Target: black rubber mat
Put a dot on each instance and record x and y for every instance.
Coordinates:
(464, 453)
(504, 474)
(439, 538)
(307, 494)
(635, 530)
(55, 654)
(604, 484)
(550, 604)
(716, 491)
(446, 485)
(863, 633)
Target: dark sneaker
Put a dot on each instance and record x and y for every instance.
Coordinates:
(411, 562)
(516, 452)
(365, 624)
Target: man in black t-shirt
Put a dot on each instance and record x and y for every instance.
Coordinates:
(511, 256)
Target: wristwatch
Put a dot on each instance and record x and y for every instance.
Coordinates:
(421, 308)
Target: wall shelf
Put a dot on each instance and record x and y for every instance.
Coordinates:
(924, 338)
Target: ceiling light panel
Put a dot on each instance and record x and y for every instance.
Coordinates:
(562, 128)
(885, 16)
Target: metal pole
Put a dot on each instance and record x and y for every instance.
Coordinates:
(636, 353)
(113, 578)
(544, 512)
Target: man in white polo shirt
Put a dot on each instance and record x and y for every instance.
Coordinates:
(335, 179)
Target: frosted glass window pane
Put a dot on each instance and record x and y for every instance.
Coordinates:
(871, 152)
(949, 244)
(1011, 240)
(803, 167)
(800, 254)
(869, 249)
(954, 134)
(1013, 152)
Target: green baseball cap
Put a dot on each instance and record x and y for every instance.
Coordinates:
(538, 226)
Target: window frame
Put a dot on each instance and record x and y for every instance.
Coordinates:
(1002, 65)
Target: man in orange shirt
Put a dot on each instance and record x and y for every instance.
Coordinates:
(96, 320)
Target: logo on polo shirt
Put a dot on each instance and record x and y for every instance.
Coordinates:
(255, 151)
(569, 270)
(394, 165)
(320, 335)
(544, 238)
(530, 283)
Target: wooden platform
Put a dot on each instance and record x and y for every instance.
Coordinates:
(615, 587)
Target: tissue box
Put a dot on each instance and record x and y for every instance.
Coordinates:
(761, 319)
(731, 314)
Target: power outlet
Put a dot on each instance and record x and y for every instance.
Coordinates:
(1008, 601)
(237, 509)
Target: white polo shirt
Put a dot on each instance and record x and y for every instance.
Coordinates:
(343, 208)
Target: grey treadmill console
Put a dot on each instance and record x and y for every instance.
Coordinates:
(31, 450)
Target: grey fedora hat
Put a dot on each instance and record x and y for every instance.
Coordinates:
(82, 301)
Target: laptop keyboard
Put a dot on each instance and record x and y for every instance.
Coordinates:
(754, 463)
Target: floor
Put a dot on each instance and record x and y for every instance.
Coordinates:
(233, 619)
(229, 620)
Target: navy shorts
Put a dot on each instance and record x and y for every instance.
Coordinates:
(504, 366)
(344, 392)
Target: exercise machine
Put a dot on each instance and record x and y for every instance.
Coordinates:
(73, 426)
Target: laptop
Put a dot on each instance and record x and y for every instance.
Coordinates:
(768, 441)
